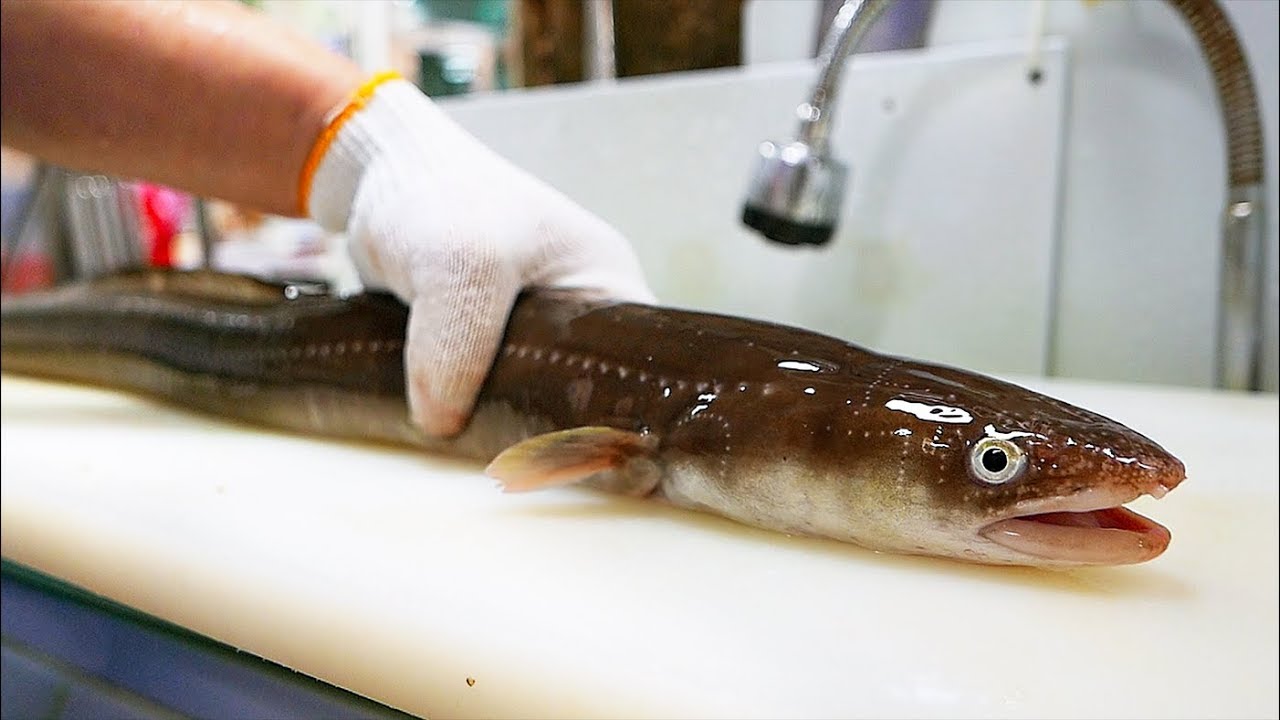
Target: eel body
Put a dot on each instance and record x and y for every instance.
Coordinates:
(769, 425)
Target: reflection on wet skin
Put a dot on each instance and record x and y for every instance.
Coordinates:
(932, 413)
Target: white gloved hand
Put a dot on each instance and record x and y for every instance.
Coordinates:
(456, 232)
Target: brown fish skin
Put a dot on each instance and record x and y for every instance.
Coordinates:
(769, 425)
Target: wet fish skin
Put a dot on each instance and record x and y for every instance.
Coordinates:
(766, 424)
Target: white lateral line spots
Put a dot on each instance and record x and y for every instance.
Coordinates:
(992, 432)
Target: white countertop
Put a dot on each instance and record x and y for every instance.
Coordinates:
(400, 576)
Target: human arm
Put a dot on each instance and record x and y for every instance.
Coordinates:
(211, 97)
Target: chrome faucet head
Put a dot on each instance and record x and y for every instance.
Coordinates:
(795, 193)
(794, 196)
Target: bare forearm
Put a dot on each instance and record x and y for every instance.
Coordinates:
(206, 96)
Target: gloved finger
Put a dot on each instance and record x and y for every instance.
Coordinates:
(452, 340)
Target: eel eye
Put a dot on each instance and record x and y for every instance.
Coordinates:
(995, 461)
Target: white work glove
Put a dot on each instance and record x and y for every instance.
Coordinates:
(456, 232)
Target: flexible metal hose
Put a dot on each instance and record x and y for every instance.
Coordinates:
(1243, 270)
(1234, 83)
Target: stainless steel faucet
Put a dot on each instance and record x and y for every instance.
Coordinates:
(796, 190)
(795, 193)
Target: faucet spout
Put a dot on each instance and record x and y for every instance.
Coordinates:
(848, 27)
(795, 192)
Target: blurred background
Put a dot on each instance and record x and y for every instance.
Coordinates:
(1038, 187)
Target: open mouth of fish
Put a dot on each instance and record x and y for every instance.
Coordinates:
(1090, 528)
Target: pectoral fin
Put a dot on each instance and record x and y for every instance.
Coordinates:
(569, 456)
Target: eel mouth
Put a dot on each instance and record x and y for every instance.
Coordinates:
(1089, 529)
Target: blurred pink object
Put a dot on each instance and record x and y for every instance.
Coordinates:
(162, 212)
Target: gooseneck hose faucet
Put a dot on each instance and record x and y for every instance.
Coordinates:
(795, 193)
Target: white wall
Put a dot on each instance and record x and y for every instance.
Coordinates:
(1144, 173)
(779, 30)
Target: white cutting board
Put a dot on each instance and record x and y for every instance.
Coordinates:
(400, 577)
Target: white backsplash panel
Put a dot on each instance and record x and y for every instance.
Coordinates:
(946, 246)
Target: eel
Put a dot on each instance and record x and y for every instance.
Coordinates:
(769, 425)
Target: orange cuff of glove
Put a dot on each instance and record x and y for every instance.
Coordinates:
(358, 100)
